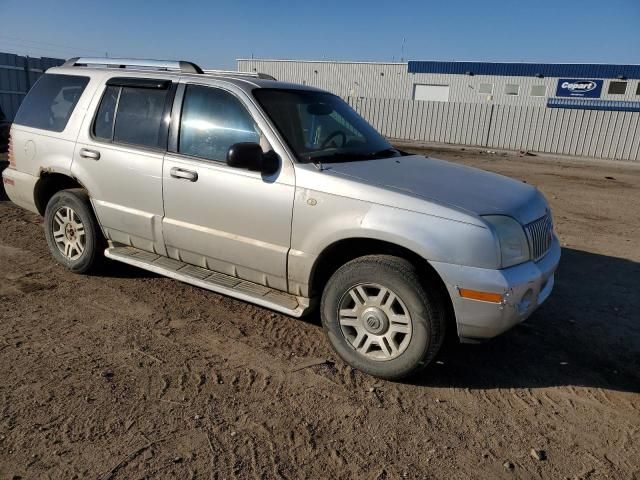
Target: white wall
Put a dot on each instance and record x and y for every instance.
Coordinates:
(391, 80)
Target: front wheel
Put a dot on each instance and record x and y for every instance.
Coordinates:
(72, 232)
(380, 318)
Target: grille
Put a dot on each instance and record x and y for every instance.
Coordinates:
(540, 236)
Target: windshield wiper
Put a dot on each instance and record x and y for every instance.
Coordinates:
(317, 159)
(386, 153)
(353, 156)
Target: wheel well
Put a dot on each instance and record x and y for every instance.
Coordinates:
(48, 185)
(343, 251)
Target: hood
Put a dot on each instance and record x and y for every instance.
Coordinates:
(470, 189)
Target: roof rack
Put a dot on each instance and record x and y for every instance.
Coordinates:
(163, 65)
(233, 73)
(168, 65)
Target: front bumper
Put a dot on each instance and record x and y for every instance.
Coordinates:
(524, 286)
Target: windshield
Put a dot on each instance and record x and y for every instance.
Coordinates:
(321, 127)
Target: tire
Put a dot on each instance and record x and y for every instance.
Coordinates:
(350, 323)
(81, 231)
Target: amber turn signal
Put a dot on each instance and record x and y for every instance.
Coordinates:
(482, 296)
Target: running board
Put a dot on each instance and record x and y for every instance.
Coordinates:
(210, 280)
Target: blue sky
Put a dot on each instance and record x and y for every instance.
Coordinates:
(215, 33)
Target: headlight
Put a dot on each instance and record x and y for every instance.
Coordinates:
(514, 247)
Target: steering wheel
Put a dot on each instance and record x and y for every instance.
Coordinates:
(337, 133)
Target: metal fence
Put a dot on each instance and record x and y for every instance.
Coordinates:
(589, 133)
(17, 75)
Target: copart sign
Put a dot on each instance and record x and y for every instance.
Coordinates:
(573, 87)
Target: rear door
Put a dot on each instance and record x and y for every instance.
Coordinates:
(231, 220)
(119, 155)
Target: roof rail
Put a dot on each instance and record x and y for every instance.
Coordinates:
(172, 65)
(233, 73)
(164, 65)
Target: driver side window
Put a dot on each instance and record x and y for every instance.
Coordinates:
(213, 120)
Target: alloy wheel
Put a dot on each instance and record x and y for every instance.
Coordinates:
(375, 321)
(68, 233)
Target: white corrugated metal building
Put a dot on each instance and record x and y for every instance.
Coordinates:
(577, 109)
(468, 82)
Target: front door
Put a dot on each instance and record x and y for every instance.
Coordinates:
(226, 219)
(118, 158)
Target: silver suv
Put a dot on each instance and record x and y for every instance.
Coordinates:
(280, 195)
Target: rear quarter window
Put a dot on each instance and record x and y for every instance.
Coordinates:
(50, 103)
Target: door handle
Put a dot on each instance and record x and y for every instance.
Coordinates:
(92, 154)
(184, 174)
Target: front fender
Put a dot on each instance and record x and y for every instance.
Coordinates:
(320, 220)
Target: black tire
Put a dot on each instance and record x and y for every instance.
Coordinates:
(424, 307)
(94, 242)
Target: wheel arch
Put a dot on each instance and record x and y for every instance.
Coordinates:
(49, 184)
(342, 251)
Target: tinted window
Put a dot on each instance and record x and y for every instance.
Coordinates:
(617, 88)
(51, 101)
(139, 117)
(213, 120)
(103, 125)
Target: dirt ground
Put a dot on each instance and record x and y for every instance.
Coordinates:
(128, 375)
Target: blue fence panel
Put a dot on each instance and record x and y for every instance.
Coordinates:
(17, 76)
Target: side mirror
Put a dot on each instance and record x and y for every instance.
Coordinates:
(249, 155)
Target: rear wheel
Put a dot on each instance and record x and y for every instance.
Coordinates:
(72, 232)
(380, 318)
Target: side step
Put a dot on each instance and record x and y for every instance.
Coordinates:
(214, 281)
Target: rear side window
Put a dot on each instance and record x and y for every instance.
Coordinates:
(132, 115)
(51, 101)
